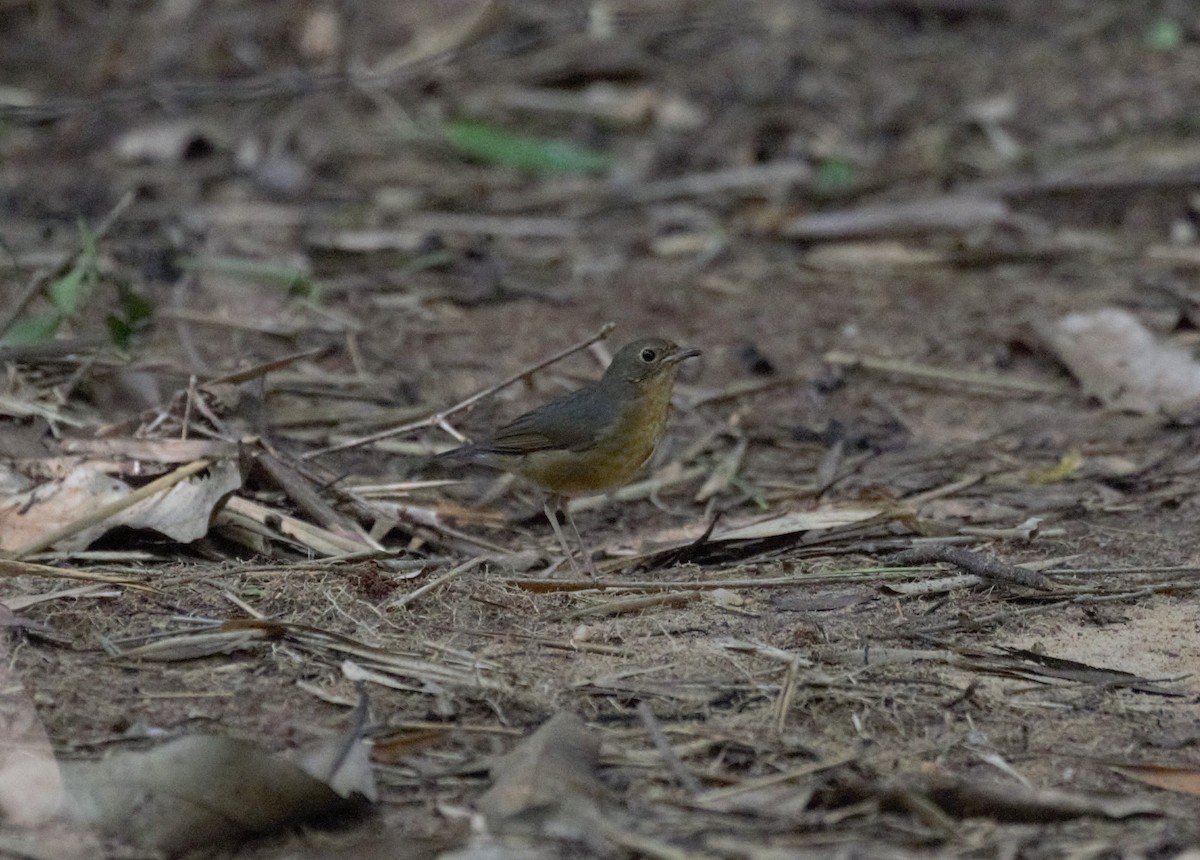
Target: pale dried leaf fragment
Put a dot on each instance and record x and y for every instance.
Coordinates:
(26, 517)
(955, 213)
(1183, 779)
(195, 646)
(793, 522)
(181, 512)
(168, 142)
(1118, 360)
(30, 786)
(547, 785)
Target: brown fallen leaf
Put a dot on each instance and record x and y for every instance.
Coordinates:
(1182, 779)
(203, 790)
(1013, 802)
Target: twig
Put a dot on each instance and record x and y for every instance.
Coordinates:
(977, 563)
(425, 223)
(10, 567)
(744, 388)
(259, 370)
(436, 583)
(787, 695)
(20, 408)
(439, 418)
(954, 213)
(863, 574)
(941, 374)
(40, 279)
(301, 491)
(755, 783)
(1078, 600)
(774, 176)
(670, 759)
(629, 604)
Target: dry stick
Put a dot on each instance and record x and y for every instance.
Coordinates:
(628, 604)
(863, 574)
(40, 279)
(746, 388)
(301, 491)
(788, 694)
(10, 567)
(102, 513)
(757, 782)
(986, 566)
(670, 759)
(941, 374)
(1078, 600)
(439, 418)
(248, 373)
(435, 583)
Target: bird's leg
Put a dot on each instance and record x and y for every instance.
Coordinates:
(552, 507)
(583, 550)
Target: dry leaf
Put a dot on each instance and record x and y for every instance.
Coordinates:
(1014, 802)
(547, 785)
(1116, 359)
(200, 790)
(1181, 779)
(193, 646)
(793, 522)
(181, 513)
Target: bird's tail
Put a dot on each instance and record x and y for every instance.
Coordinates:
(464, 455)
(455, 456)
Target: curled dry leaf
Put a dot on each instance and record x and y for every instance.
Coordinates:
(181, 512)
(1116, 359)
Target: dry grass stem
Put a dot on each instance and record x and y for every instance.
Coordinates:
(982, 381)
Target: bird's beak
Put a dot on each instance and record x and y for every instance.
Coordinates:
(681, 354)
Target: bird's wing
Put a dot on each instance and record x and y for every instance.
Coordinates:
(570, 423)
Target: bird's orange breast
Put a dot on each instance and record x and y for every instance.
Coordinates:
(619, 451)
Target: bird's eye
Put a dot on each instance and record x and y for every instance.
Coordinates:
(648, 355)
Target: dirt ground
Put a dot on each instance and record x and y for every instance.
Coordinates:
(293, 191)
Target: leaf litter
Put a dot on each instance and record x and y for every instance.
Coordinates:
(776, 658)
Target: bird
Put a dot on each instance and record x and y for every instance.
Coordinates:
(591, 440)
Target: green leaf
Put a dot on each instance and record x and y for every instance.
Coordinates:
(833, 175)
(67, 293)
(1163, 34)
(120, 332)
(33, 329)
(487, 143)
(134, 306)
(132, 309)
